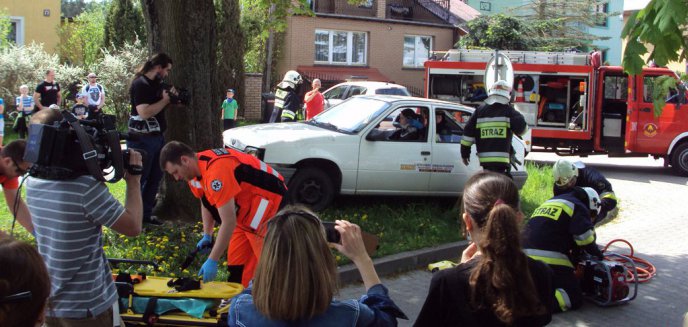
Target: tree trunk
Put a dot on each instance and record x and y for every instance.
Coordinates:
(186, 31)
(230, 54)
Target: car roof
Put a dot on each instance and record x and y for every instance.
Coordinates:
(371, 84)
(400, 99)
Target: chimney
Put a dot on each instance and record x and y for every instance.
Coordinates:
(381, 8)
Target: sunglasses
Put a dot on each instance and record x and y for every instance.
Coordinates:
(18, 297)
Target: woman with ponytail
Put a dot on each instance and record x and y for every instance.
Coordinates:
(495, 284)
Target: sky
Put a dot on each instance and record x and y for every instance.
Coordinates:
(635, 4)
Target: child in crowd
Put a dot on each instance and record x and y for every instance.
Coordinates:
(25, 106)
(229, 110)
(80, 110)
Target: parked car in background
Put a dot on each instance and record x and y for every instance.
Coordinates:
(349, 149)
(340, 92)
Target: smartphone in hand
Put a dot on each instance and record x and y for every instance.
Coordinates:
(370, 241)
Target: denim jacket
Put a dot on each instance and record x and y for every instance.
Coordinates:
(373, 309)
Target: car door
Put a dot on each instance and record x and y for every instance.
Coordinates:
(388, 166)
(335, 96)
(449, 174)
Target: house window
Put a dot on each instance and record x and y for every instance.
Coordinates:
(601, 11)
(340, 47)
(16, 31)
(416, 50)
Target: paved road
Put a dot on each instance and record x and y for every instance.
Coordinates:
(653, 218)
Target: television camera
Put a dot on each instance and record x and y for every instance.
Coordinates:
(70, 148)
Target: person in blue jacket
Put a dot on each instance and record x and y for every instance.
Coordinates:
(296, 278)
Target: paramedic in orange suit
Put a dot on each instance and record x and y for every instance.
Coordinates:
(237, 190)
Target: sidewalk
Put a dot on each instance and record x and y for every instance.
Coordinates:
(653, 218)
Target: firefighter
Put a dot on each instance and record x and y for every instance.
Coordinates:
(568, 174)
(237, 190)
(287, 102)
(491, 127)
(556, 233)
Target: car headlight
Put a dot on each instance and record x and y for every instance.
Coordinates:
(256, 152)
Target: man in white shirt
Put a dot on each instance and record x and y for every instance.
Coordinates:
(96, 95)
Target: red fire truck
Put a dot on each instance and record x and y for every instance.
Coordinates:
(573, 105)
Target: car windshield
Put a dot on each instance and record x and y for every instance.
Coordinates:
(350, 116)
(392, 91)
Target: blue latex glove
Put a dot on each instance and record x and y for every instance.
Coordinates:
(208, 270)
(205, 244)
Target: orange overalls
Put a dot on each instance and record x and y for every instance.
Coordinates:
(257, 190)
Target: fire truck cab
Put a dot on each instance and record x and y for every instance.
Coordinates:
(572, 105)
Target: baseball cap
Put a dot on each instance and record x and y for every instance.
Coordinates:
(231, 90)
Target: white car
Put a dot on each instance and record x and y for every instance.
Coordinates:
(340, 92)
(347, 150)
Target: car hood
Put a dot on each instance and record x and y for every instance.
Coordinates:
(262, 135)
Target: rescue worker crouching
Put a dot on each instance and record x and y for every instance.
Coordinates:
(491, 128)
(287, 102)
(568, 174)
(556, 233)
(236, 189)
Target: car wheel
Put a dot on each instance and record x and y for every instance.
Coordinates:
(312, 187)
(679, 159)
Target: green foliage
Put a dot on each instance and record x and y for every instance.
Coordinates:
(661, 24)
(258, 18)
(123, 24)
(82, 38)
(27, 65)
(115, 71)
(73, 8)
(559, 25)
(496, 32)
(506, 32)
(401, 224)
(662, 87)
(5, 28)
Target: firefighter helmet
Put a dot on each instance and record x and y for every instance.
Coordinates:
(500, 92)
(292, 78)
(564, 172)
(594, 202)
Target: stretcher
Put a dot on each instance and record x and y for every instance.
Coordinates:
(165, 301)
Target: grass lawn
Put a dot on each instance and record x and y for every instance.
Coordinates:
(401, 223)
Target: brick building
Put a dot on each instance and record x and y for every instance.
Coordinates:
(383, 40)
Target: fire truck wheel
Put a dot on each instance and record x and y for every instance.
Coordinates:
(313, 187)
(679, 159)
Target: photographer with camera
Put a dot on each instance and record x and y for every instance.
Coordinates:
(149, 98)
(68, 212)
(237, 190)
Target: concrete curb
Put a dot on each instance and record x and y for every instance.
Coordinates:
(405, 261)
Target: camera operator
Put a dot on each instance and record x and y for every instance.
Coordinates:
(68, 215)
(148, 101)
(12, 165)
